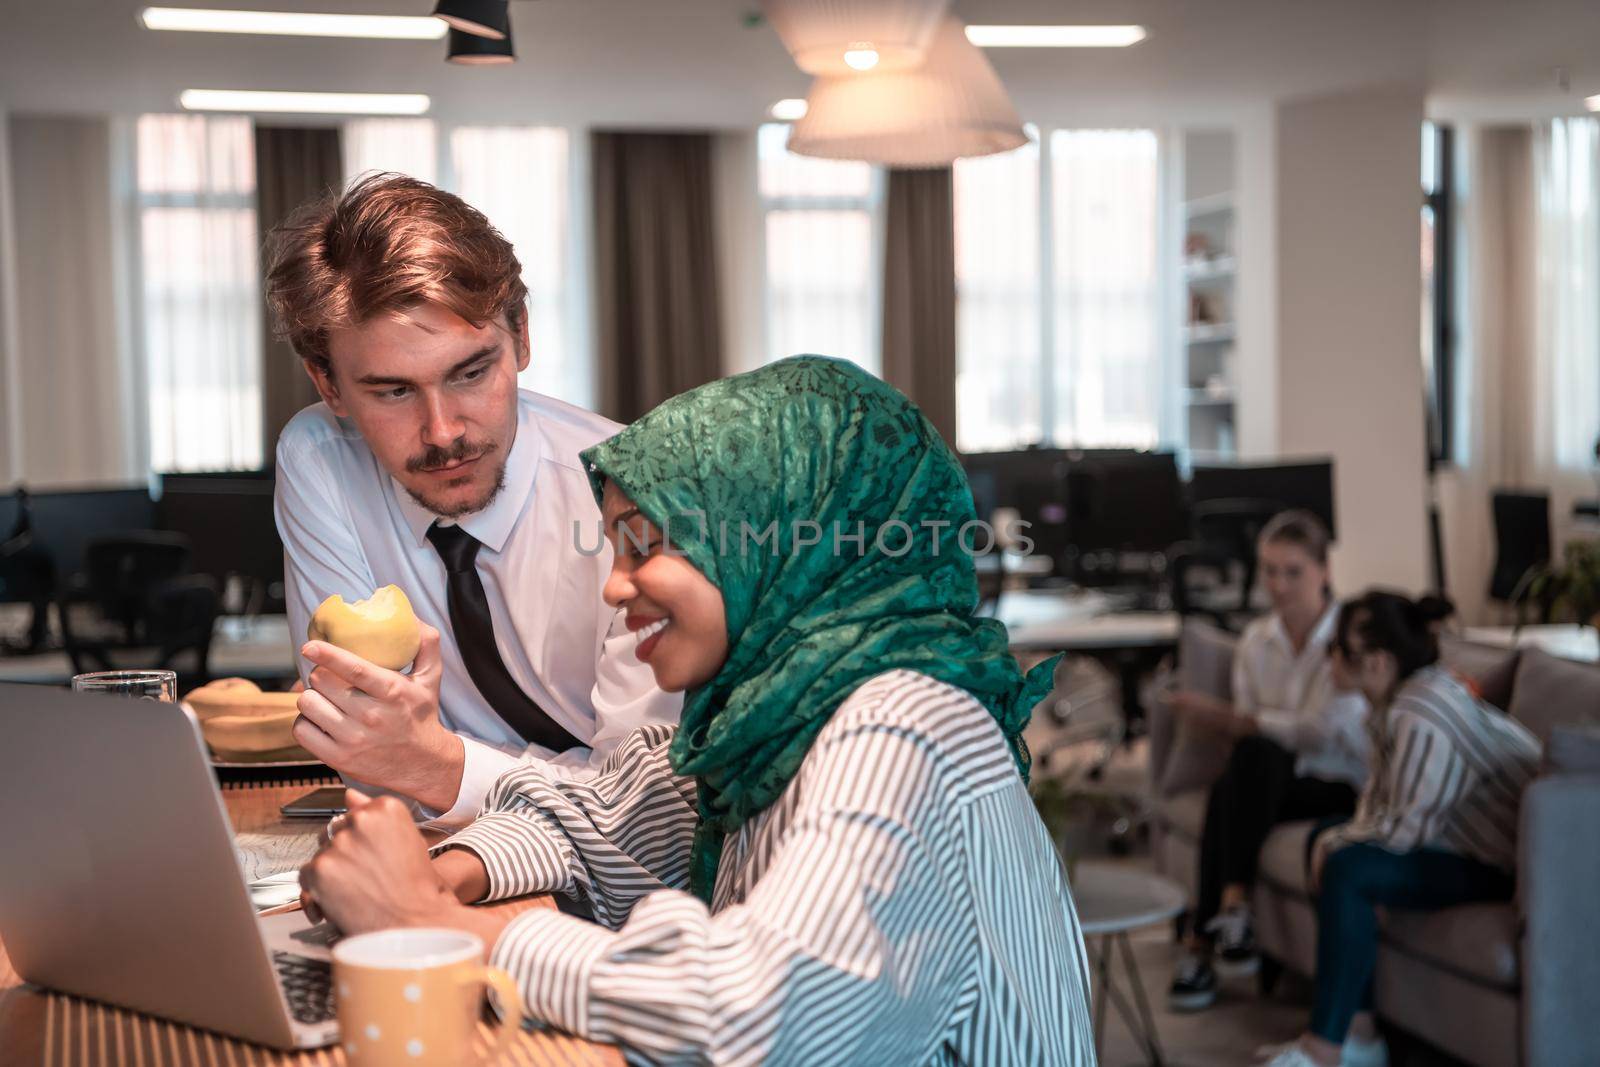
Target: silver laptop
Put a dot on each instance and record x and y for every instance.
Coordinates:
(121, 882)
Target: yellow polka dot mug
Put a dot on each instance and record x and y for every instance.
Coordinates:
(414, 997)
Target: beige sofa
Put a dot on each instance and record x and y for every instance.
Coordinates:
(1492, 984)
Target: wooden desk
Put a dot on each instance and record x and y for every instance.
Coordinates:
(53, 1030)
(1045, 620)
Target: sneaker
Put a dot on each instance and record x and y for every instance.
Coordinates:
(1358, 1053)
(1235, 941)
(1291, 1056)
(1194, 984)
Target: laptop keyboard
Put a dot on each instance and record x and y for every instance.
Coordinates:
(308, 984)
(324, 933)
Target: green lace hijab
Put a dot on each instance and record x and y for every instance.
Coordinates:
(831, 515)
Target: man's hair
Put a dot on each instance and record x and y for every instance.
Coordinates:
(385, 245)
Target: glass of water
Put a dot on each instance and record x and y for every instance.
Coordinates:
(139, 685)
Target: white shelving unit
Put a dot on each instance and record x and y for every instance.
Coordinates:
(1208, 267)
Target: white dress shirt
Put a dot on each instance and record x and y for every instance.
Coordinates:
(349, 528)
(900, 902)
(1292, 697)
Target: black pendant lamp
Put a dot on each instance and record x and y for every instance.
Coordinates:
(479, 51)
(479, 18)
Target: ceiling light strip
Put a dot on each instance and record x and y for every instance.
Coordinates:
(293, 23)
(1055, 36)
(254, 101)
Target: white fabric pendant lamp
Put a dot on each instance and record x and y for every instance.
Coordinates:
(951, 107)
(845, 36)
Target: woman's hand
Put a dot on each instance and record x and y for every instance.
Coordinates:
(1208, 713)
(374, 873)
(1319, 859)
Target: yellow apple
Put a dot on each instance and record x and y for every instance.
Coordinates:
(381, 629)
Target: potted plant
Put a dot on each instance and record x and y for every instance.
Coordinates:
(1080, 820)
(1569, 589)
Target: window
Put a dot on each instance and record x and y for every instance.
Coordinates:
(518, 176)
(820, 226)
(1438, 280)
(404, 146)
(1074, 214)
(999, 332)
(200, 293)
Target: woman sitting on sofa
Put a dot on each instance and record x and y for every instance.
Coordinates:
(1436, 825)
(1300, 754)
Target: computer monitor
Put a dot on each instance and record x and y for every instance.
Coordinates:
(1085, 501)
(229, 519)
(1125, 501)
(1029, 480)
(65, 522)
(1302, 484)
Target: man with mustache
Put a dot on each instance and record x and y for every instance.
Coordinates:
(426, 467)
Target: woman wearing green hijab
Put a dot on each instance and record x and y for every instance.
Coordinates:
(833, 859)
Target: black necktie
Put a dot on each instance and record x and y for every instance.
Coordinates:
(474, 632)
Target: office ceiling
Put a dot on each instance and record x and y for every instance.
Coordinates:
(695, 63)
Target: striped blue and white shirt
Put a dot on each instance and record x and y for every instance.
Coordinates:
(900, 902)
(1448, 772)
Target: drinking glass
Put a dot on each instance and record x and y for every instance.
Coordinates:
(138, 685)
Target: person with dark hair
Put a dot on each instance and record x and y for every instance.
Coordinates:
(1300, 753)
(1435, 827)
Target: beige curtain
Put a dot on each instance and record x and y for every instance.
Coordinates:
(293, 165)
(655, 266)
(79, 407)
(919, 294)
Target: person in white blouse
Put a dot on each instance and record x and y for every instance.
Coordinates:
(427, 468)
(834, 858)
(1300, 753)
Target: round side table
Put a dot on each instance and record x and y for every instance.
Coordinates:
(1113, 899)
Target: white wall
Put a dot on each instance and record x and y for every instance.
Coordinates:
(1349, 376)
(10, 390)
(1256, 285)
(1207, 163)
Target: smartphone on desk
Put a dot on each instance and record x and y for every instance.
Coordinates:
(322, 803)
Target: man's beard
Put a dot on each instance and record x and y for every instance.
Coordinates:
(436, 457)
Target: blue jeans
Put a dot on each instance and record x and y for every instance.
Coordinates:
(1357, 879)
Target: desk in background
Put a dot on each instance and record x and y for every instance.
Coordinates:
(1581, 643)
(38, 1027)
(259, 648)
(1128, 643)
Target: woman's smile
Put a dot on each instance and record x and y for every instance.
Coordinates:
(649, 633)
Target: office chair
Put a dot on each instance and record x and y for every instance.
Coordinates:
(28, 573)
(1521, 538)
(1200, 581)
(1223, 549)
(140, 596)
